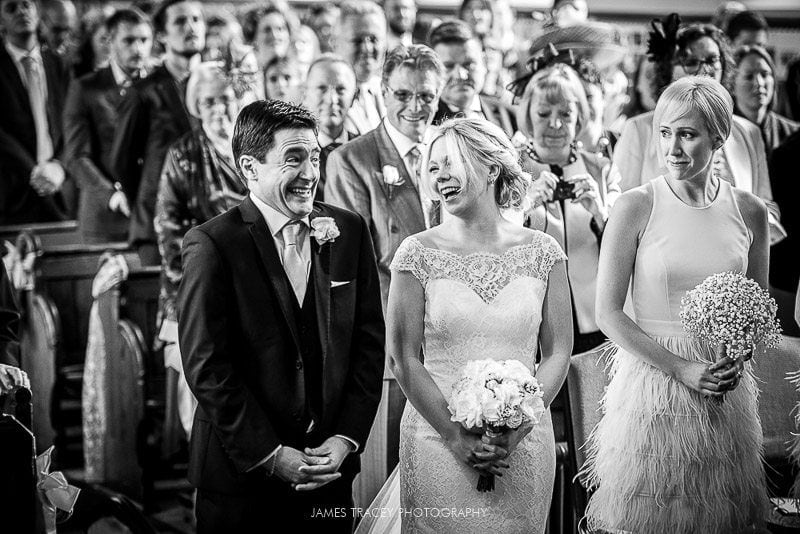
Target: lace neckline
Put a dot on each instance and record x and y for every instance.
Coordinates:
(509, 251)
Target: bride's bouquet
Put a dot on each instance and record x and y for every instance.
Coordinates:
(496, 396)
(732, 310)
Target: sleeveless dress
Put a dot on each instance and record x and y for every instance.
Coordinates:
(664, 458)
(479, 306)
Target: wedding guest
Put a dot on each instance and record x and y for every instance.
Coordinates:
(784, 269)
(282, 80)
(478, 286)
(478, 15)
(198, 182)
(223, 32)
(93, 52)
(328, 93)
(153, 115)
(401, 16)
(305, 49)
(60, 27)
(465, 68)
(667, 436)
(90, 119)
(361, 40)
(701, 50)
(754, 95)
(269, 27)
(377, 176)
(33, 83)
(573, 189)
(324, 19)
(747, 28)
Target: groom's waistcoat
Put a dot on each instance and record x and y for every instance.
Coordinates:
(310, 352)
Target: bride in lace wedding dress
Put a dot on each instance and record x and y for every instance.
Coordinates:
(475, 287)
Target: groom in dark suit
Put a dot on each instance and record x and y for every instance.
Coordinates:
(282, 338)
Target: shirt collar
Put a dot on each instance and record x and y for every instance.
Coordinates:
(17, 53)
(402, 143)
(373, 86)
(275, 219)
(119, 75)
(324, 140)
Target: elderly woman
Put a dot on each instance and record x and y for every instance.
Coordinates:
(697, 49)
(669, 455)
(573, 189)
(754, 95)
(199, 181)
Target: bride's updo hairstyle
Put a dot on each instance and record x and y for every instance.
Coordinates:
(696, 95)
(475, 143)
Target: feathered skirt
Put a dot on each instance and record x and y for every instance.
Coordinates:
(665, 459)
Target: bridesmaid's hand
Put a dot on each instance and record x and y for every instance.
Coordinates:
(727, 369)
(700, 377)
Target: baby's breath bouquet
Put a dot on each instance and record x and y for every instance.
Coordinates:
(732, 310)
(496, 396)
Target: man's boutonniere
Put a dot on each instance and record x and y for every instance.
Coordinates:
(324, 229)
(391, 177)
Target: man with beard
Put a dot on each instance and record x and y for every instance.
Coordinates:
(33, 82)
(362, 42)
(377, 176)
(328, 92)
(60, 26)
(90, 118)
(154, 115)
(401, 15)
(465, 68)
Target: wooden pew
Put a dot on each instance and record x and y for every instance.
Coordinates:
(55, 301)
(49, 234)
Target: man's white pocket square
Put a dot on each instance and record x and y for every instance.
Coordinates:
(334, 283)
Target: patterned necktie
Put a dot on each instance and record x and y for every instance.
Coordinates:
(414, 160)
(293, 262)
(37, 98)
(430, 207)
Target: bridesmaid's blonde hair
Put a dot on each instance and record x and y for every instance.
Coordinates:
(701, 95)
(472, 142)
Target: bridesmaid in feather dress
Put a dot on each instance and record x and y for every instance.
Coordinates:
(669, 455)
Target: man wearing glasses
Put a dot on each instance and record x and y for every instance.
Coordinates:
(377, 176)
(362, 42)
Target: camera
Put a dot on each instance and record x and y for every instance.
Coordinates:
(564, 191)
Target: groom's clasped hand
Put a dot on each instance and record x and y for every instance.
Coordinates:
(312, 468)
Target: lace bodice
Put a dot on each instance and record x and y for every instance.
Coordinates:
(482, 305)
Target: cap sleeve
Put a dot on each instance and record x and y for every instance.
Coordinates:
(546, 254)
(409, 258)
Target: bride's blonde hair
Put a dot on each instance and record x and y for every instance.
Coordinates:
(471, 142)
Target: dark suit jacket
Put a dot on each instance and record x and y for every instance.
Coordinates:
(443, 112)
(151, 118)
(90, 119)
(9, 321)
(784, 268)
(19, 203)
(355, 182)
(241, 353)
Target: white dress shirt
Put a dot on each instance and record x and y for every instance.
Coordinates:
(275, 222)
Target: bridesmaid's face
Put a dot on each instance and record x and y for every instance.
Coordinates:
(686, 144)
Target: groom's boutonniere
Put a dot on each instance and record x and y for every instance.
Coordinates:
(324, 229)
(391, 177)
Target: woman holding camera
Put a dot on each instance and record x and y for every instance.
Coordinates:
(573, 190)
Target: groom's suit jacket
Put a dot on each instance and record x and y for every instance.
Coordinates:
(242, 345)
(355, 181)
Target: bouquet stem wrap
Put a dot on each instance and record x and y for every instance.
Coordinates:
(486, 482)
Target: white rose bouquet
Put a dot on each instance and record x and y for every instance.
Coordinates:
(732, 310)
(496, 396)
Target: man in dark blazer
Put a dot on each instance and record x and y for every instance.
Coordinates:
(153, 116)
(90, 119)
(33, 82)
(282, 340)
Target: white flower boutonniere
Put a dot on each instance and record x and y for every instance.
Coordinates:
(391, 177)
(324, 229)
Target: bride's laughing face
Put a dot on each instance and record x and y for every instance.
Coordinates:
(457, 188)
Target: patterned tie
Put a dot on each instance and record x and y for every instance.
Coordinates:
(293, 262)
(430, 208)
(414, 160)
(37, 98)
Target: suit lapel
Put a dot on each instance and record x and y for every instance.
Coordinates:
(169, 89)
(272, 263)
(321, 274)
(404, 199)
(10, 71)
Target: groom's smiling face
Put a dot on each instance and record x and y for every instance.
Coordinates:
(288, 178)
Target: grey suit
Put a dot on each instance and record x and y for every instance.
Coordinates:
(355, 181)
